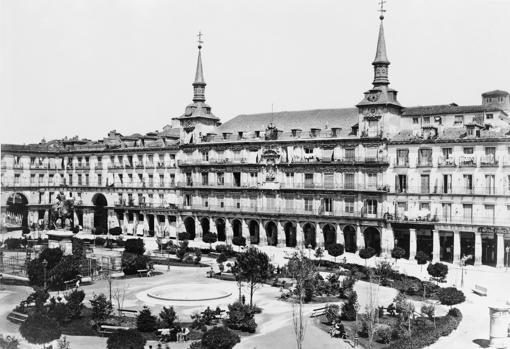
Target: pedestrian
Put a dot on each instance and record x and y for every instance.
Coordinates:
(243, 299)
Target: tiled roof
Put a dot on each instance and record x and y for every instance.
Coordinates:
(287, 120)
(447, 109)
(495, 92)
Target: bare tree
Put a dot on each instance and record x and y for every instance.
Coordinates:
(302, 270)
(119, 294)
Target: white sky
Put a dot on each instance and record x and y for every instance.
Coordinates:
(84, 67)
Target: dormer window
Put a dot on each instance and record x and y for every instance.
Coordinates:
(314, 132)
(240, 135)
(226, 135)
(335, 131)
(426, 119)
(296, 132)
(257, 134)
(416, 121)
(489, 116)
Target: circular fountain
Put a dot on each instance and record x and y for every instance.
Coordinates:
(188, 293)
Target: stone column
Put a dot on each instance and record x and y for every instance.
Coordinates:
(319, 236)
(198, 229)
(360, 241)
(478, 248)
(124, 221)
(299, 235)
(388, 240)
(456, 246)
(280, 235)
(262, 235)
(436, 246)
(412, 244)
(167, 226)
(229, 234)
(178, 224)
(500, 252)
(499, 317)
(212, 226)
(245, 231)
(340, 239)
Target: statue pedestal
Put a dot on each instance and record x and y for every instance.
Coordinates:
(500, 320)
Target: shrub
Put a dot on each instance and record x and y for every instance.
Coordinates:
(350, 308)
(383, 334)
(221, 258)
(332, 313)
(219, 338)
(384, 270)
(181, 251)
(9, 342)
(227, 250)
(132, 262)
(198, 256)
(347, 286)
(115, 231)
(421, 257)
(366, 253)
(336, 250)
(135, 246)
(428, 310)
(239, 240)
(145, 321)
(100, 241)
(14, 243)
(240, 317)
(398, 252)
(451, 296)
(168, 316)
(188, 259)
(57, 311)
(455, 313)
(101, 308)
(183, 236)
(438, 271)
(123, 339)
(40, 329)
(210, 238)
(74, 303)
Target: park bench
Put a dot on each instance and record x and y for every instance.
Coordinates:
(117, 275)
(86, 280)
(318, 312)
(480, 290)
(128, 311)
(17, 318)
(69, 284)
(142, 272)
(108, 329)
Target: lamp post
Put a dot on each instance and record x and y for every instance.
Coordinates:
(45, 264)
(309, 247)
(507, 250)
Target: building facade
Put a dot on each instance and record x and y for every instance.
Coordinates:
(434, 179)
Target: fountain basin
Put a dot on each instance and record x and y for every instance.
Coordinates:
(188, 293)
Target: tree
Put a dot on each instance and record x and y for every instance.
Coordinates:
(63, 343)
(398, 253)
(438, 271)
(422, 258)
(350, 308)
(332, 313)
(451, 296)
(254, 268)
(40, 329)
(302, 270)
(240, 317)
(145, 321)
(319, 253)
(119, 294)
(135, 246)
(126, 339)
(336, 250)
(366, 253)
(219, 338)
(210, 238)
(168, 316)
(182, 250)
(9, 342)
(101, 308)
(239, 241)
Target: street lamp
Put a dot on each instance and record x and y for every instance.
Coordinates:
(507, 250)
(309, 247)
(45, 264)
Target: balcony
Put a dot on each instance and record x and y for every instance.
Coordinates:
(467, 161)
(488, 161)
(446, 162)
(401, 163)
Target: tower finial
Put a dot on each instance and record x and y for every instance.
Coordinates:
(381, 9)
(200, 41)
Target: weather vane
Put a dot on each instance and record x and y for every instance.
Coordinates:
(381, 9)
(200, 41)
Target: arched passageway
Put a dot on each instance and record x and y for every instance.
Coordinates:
(350, 238)
(309, 232)
(100, 213)
(204, 223)
(329, 232)
(17, 211)
(373, 239)
(237, 228)
(253, 227)
(290, 234)
(220, 229)
(189, 225)
(271, 234)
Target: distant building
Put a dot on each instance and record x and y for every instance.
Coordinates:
(431, 178)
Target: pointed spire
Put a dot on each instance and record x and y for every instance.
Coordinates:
(199, 84)
(380, 55)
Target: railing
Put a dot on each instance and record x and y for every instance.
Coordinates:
(399, 163)
(446, 162)
(453, 190)
(488, 161)
(467, 161)
(298, 185)
(428, 217)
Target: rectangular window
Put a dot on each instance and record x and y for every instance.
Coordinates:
(327, 205)
(99, 179)
(425, 157)
(459, 120)
(289, 205)
(189, 179)
(468, 150)
(329, 180)
(426, 120)
(349, 181)
(371, 154)
(308, 205)
(371, 207)
(425, 184)
(220, 178)
(349, 205)
(425, 207)
(403, 157)
(447, 153)
(489, 116)
(490, 214)
(237, 179)
(205, 156)
(401, 183)
(468, 184)
(205, 178)
(490, 184)
(416, 121)
(270, 200)
(447, 184)
(161, 180)
(349, 154)
(309, 180)
(372, 181)
(468, 213)
(447, 212)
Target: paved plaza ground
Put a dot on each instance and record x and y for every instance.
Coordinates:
(275, 322)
